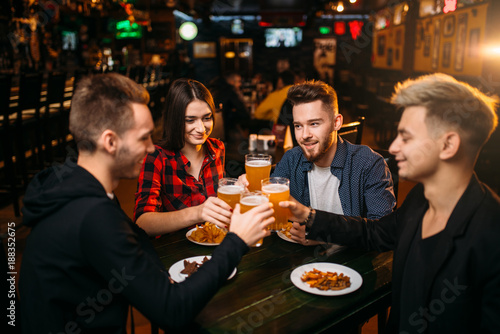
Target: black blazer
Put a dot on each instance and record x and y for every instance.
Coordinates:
(463, 289)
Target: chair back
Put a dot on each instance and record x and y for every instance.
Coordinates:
(5, 84)
(56, 84)
(30, 89)
(353, 129)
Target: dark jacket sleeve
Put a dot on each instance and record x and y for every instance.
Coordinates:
(114, 249)
(371, 234)
(381, 235)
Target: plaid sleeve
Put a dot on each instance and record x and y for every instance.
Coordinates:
(147, 197)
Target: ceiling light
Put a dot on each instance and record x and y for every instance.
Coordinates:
(188, 31)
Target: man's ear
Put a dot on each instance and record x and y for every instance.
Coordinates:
(450, 144)
(109, 141)
(338, 120)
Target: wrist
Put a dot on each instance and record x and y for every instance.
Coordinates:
(311, 213)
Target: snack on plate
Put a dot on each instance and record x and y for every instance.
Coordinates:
(287, 229)
(208, 233)
(326, 281)
(191, 267)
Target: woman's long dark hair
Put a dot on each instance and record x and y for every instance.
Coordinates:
(181, 93)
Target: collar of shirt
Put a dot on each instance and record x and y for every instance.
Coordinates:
(213, 150)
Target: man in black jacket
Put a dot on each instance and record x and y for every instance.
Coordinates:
(85, 261)
(446, 271)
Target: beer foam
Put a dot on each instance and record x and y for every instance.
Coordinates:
(258, 163)
(274, 188)
(230, 190)
(253, 200)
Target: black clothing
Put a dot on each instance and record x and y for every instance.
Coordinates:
(461, 283)
(86, 261)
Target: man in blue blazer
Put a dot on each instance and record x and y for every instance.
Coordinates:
(446, 271)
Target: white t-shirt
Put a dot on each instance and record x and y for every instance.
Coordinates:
(324, 190)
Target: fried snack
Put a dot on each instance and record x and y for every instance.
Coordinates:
(191, 267)
(287, 229)
(208, 233)
(326, 281)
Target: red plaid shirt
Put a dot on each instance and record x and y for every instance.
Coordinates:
(165, 185)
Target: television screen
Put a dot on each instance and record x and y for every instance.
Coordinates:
(283, 37)
(69, 39)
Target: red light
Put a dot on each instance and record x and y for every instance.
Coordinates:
(449, 6)
(265, 24)
(339, 28)
(355, 27)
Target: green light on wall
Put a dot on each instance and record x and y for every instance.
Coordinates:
(325, 30)
(188, 31)
(126, 26)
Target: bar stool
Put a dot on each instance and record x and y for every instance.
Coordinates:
(12, 186)
(55, 116)
(28, 123)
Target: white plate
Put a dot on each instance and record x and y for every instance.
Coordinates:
(188, 233)
(356, 279)
(283, 236)
(176, 268)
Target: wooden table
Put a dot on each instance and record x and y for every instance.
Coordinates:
(262, 299)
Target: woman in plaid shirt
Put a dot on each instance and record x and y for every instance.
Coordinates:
(178, 182)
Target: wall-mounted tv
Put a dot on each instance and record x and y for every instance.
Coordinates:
(283, 37)
(69, 40)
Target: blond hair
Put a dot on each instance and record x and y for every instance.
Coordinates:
(450, 104)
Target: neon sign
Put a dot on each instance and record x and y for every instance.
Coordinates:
(449, 6)
(355, 27)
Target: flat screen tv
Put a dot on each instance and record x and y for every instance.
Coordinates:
(283, 37)
(69, 40)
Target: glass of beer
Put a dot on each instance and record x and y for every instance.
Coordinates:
(278, 190)
(229, 191)
(257, 167)
(250, 200)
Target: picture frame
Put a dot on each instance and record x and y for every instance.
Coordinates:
(427, 45)
(460, 42)
(420, 35)
(399, 37)
(381, 45)
(204, 50)
(445, 62)
(448, 26)
(435, 44)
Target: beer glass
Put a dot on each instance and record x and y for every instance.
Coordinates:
(250, 200)
(278, 190)
(229, 191)
(257, 167)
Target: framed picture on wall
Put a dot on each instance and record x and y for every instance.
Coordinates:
(446, 54)
(204, 50)
(460, 42)
(435, 44)
(427, 45)
(449, 26)
(381, 45)
(420, 35)
(399, 36)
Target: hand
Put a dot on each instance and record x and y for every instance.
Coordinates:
(216, 211)
(298, 211)
(298, 234)
(243, 179)
(251, 226)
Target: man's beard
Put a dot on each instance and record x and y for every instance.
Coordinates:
(323, 150)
